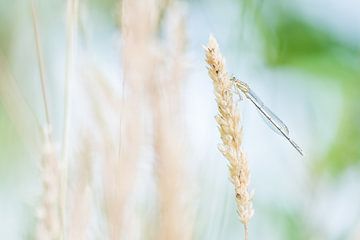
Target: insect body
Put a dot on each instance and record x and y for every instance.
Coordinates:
(268, 115)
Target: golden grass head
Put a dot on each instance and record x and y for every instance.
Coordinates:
(228, 119)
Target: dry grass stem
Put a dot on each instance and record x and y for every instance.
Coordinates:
(121, 168)
(79, 204)
(114, 195)
(40, 62)
(228, 120)
(173, 191)
(49, 226)
(72, 17)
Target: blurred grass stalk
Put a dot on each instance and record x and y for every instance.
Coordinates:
(49, 222)
(175, 220)
(153, 70)
(121, 167)
(71, 37)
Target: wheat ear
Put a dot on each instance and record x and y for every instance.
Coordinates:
(228, 120)
(48, 226)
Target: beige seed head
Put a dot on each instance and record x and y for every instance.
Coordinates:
(228, 120)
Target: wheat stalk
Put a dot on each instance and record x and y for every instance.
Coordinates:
(228, 120)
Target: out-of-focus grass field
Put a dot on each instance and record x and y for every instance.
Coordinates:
(302, 57)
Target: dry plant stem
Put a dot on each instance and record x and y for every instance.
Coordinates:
(246, 232)
(228, 119)
(79, 194)
(114, 176)
(175, 217)
(72, 15)
(49, 224)
(113, 200)
(170, 184)
(121, 167)
(40, 62)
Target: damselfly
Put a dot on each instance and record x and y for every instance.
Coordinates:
(268, 115)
